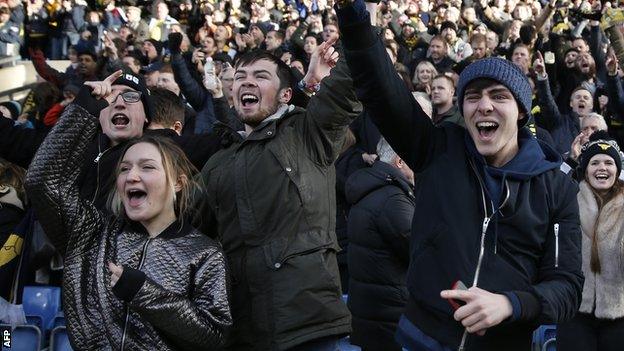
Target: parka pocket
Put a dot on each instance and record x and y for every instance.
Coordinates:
(304, 287)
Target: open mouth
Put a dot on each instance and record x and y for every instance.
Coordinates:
(120, 120)
(602, 176)
(248, 100)
(136, 197)
(487, 129)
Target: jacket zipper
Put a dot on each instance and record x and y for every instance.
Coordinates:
(484, 228)
(97, 175)
(556, 227)
(125, 328)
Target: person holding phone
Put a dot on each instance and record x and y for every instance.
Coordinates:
(492, 208)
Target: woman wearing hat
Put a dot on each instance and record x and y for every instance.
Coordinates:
(599, 325)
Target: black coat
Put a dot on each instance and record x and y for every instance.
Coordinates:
(531, 246)
(378, 229)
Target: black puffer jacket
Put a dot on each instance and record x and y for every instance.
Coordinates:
(172, 293)
(379, 229)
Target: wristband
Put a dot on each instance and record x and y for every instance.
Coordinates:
(309, 90)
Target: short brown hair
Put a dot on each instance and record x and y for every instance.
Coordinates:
(168, 107)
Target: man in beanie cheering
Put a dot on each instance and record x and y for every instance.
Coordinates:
(495, 243)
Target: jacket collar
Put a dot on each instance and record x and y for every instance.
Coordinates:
(177, 229)
(266, 128)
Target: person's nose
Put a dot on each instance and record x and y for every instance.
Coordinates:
(133, 175)
(485, 105)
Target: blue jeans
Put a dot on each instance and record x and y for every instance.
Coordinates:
(324, 344)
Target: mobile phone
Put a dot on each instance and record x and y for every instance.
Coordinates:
(455, 303)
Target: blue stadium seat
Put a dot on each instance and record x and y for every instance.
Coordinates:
(37, 321)
(59, 320)
(544, 338)
(43, 301)
(59, 340)
(23, 338)
(345, 345)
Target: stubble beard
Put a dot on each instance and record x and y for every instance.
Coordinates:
(255, 119)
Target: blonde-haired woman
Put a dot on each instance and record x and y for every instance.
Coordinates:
(142, 277)
(599, 325)
(423, 76)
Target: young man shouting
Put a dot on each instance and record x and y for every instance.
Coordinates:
(495, 245)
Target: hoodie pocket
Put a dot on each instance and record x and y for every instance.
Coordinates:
(556, 230)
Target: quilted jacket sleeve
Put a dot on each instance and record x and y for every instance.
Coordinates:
(52, 186)
(192, 323)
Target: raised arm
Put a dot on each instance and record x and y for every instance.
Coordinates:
(615, 90)
(550, 115)
(195, 93)
(52, 180)
(332, 109)
(393, 109)
(46, 71)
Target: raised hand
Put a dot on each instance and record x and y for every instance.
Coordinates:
(538, 65)
(611, 63)
(103, 89)
(575, 150)
(174, 42)
(323, 59)
(109, 46)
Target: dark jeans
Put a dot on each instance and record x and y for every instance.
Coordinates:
(588, 333)
(323, 344)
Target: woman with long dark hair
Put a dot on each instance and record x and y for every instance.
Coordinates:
(599, 325)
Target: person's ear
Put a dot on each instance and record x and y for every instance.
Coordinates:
(177, 127)
(521, 116)
(398, 162)
(285, 95)
(182, 179)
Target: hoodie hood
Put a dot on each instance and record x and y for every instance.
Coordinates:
(367, 180)
(533, 158)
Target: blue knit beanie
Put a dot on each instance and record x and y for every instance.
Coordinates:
(504, 72)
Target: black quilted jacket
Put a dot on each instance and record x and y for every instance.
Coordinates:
(178, 301)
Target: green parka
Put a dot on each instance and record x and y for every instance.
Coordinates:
(271, 198)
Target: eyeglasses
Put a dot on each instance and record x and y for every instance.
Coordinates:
(130, 96)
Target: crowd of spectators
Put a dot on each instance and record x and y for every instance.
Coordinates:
(186, 53)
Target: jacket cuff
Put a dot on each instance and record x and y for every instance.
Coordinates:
(355, 26)
(515, 306)
(530, 307)
(129, 284)
(88, 102)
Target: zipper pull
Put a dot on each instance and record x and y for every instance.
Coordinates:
(556, 228)
(97, 159)
(486, 222)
